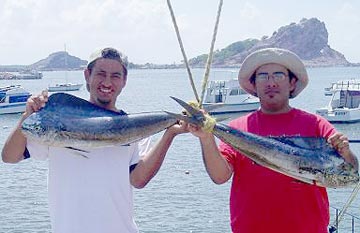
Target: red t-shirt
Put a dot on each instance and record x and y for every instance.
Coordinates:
(263, 200)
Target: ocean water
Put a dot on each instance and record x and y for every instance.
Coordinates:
(181, 197)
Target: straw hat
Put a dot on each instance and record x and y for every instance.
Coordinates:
(279, 56)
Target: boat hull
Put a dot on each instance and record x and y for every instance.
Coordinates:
(340, 115)
(72, 87)
(13, 99)
(226, 96)
(12, 108)
(344, 105)
(231, 108)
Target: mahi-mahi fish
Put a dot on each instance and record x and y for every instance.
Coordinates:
(308, 159)
(69, 121)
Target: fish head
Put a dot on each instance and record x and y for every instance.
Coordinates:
(33, 125)
(342, 176)
(38, 126)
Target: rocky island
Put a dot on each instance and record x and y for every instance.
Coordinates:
(308, 39)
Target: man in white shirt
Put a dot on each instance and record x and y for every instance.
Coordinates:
(94, 194)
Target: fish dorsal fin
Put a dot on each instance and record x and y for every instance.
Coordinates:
(76, 106)
(309, 143)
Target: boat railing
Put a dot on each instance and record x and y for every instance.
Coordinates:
(345, 85)
(348, 224)
(7, 88)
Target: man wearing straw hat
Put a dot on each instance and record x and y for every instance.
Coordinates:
(263, 200)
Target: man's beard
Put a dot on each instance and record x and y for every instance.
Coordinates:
(104, 102)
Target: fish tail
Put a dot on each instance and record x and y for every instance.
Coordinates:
(194, 116)
(190, 109)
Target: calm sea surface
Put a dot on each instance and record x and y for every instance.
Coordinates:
(181, 198)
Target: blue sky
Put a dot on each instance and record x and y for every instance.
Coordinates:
(32, 29)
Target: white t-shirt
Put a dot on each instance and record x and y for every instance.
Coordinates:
(90, 194)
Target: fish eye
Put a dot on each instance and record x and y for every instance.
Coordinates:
(38, 128)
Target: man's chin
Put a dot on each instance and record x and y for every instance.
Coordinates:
(104, 101)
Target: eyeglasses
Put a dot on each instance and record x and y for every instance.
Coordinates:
(277, 76)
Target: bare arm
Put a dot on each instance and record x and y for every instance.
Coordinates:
(216, 165)
(341, 143)
(14, 147)
(150, 163)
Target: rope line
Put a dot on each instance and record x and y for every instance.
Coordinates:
(209, 59)
(347, 204)
(211, 121)
(183, 51)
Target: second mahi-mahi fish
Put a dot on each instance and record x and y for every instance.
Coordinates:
(308, 159)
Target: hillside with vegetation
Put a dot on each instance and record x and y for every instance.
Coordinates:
(308, 39)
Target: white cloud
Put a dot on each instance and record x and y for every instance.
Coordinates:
(249, 11)
(343, 31)
(83, 25)
(32, 29)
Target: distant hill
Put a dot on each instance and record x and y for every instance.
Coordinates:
(308, 39)
(59, 61)
(56, 61)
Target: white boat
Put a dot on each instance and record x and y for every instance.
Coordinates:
(344, 104)
(353, 84)
(13, 99)
(6, 75)
(65, 87)
(229, 97)
(29, 74)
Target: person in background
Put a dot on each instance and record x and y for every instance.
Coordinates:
(262, 200)
(95, 194)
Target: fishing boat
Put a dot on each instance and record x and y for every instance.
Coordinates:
(13, 99)
(65, 87)
(29, 74)
(343, 106)
(226, 96)
(353, 84)
(6, 75)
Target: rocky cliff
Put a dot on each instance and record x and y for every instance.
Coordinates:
(308, 39)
